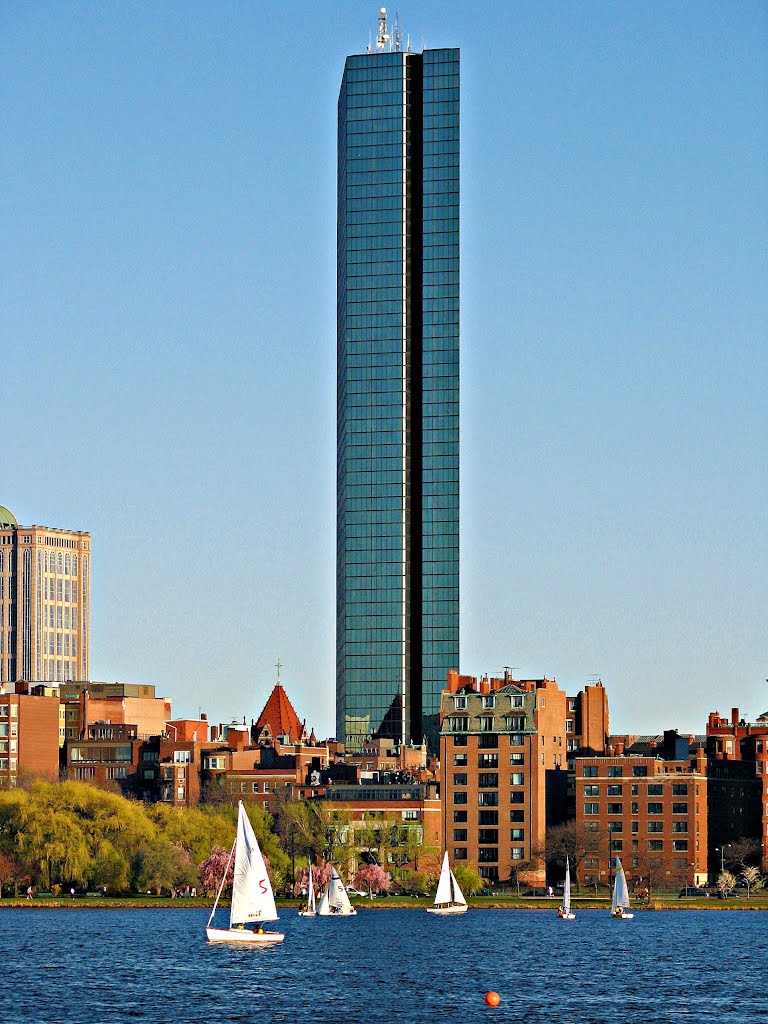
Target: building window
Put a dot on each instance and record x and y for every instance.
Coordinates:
(517, 700)
(460, 703)
(488, 817)
(488, 836)
(487, 760)
(590, 771)
(487, 854)
(516, 797)
(679, 826)
(679, 808)
(459, 778)
(655, 808)
(516, 740)
(459, 741)
(655, 826)
(640, 771)
(571, 703)
(517, 815)
(489, 740)
(591, 790)
(615, 790)
(680, 789)
(182, 757)
(460, 797)
(489, 700)
(615, 808)
(591, 808)
(517, 758)
(255, 787)
(615, 826)
(410, 815)
(486, 723)
(459, 835)
(615, 771)
(517, 834)
(679, 844)
(517, 853)
(654, 789)
(616, 844)
(488, 780)
(488, 799)
(655, 845)
(517, 779)
(569, 725)
(460, 760)
(459, 853)
(459, 816)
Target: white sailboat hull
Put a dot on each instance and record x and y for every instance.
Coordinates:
(623, 917)
(567, 917)
(244, 935)
(337, 913)
(307, 913)
(455, 908)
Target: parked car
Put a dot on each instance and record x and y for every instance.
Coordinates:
(352, 891)
(693, 890)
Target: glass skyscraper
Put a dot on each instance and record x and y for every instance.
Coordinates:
(397, 569)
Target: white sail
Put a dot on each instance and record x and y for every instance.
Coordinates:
(311, 907)
(567, 888)
(620, 899)
(252, 896)
(443, 894)
(448, 889)
(335, 900)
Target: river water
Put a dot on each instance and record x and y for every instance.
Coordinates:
(386, 967)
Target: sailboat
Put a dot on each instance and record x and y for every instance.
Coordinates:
(252, 896)
(449, 899)
(311, 909)
(334, 902)
(620, 901)
(564, 912)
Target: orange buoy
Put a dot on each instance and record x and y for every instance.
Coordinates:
(492, 998)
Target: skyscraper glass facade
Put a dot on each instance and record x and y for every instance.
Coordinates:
(397, 393)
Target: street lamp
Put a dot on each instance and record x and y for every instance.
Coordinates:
(722, 850)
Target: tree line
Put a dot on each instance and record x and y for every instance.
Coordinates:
(58, 836)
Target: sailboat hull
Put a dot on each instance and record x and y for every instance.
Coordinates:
(567, 917)
(456, 908)
(307, 913)
(623, 917)
(244, 936)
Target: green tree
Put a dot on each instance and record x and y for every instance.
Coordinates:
(163, 865)
(469, 881)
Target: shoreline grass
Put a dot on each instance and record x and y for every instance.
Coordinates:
(136, 902)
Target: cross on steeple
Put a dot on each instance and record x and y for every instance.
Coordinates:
(278, 666)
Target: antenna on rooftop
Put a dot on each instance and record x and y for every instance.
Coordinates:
(398, 33)
(383, 38)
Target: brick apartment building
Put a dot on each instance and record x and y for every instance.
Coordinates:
(649, 810)
(505, 751)
(737, 753)
(29, 737)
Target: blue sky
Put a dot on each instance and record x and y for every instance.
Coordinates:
(167, 287)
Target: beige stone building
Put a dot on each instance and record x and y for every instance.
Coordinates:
(45, 597)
